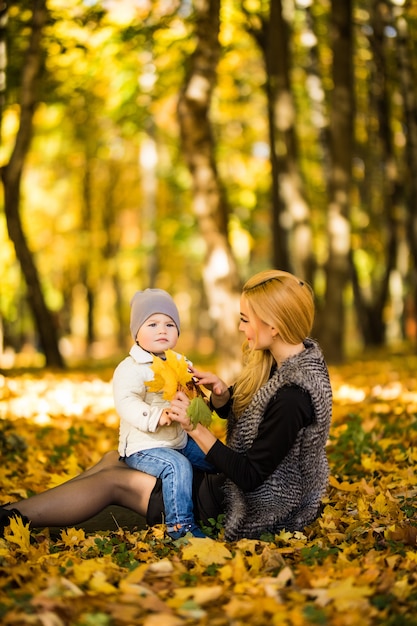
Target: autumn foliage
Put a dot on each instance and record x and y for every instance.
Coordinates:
(357, 564)
(173, 374)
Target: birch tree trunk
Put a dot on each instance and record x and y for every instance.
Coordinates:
(292, 239)
(220, 274)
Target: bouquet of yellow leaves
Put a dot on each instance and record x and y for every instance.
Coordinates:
(172, 375)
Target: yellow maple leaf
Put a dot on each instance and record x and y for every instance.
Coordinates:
(100, 584)
(136, 576)
(18, 533)
(58, 479)
(235, 569)
(158, 381)
(200, 594)
(347, 592)
(380, 504)
(86, 569)
(284, 535)
(179, 366)
(206, 551)
(169, 375)
(411, 556)
(72, 537)
(157, 531)
(344, 485)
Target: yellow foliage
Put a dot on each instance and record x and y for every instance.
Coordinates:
(72, 537)
(169, 375)
(205, 551)
(380, 504)
(356, 564)
(343, 486)
(18, 534)
(84, 570)
(201, 595)
(100, 584)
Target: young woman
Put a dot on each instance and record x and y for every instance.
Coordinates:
(273, 471)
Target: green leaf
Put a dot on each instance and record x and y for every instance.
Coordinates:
(199, 412)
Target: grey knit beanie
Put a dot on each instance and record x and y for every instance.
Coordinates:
(146, 303)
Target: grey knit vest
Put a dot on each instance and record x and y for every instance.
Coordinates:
(290, 498)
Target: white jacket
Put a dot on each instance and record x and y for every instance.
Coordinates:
(139, 410)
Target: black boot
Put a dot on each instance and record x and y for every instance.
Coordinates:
(6, 515)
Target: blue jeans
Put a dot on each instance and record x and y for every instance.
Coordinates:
(175, 468)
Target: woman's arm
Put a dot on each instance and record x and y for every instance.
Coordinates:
(285, 415)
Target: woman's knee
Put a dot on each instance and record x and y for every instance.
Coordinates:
(110, 458)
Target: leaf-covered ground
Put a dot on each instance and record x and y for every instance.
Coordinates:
(357, 564)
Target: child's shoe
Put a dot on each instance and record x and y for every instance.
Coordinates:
(6, 515)
(192, 529)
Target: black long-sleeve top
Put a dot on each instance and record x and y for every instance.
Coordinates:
(288, 412)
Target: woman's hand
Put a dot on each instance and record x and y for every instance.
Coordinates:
(177, 411)
(219, 390)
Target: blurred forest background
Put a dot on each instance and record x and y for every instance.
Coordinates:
(186, 144)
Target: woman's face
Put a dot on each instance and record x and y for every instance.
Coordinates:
(259, 334)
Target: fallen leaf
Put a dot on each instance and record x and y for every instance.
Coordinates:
(72, 537)
(201, 595)
(18, 532)
(100, 584)
(205, 551)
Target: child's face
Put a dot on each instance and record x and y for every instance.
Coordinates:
(157, 334)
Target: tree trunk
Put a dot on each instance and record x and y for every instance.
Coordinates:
(3, 57)
(88, 260)
(220, 275)
(292, 239)
(370, 311)
(408, 87)
(274, 45)
(291, 211)
(11, 178)
(341, 133)
(112, 247)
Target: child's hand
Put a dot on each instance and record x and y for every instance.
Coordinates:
(178, 410)
(165, 420)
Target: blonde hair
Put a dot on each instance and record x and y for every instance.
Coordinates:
(283, 301)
